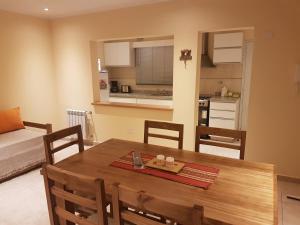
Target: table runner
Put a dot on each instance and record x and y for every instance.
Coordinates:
(192, 174)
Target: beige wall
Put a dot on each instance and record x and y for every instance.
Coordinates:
(26, 67)
(273, 134)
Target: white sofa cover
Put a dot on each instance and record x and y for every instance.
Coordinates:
(20, 150)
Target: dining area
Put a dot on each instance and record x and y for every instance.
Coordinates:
(127, 182)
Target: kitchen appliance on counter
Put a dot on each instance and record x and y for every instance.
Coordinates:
(203, 117)
(125, 89)
(114, 87)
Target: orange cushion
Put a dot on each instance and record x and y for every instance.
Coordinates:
(10, 120)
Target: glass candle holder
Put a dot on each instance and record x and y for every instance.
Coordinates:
(160, 160)
(170, 161)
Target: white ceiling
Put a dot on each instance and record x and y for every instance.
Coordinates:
(64, 8)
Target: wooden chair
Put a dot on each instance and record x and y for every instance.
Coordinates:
(62, 191)
(164, 126)
(50, 138)
(143, 202)
(235, 134)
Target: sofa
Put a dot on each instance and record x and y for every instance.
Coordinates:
(22, 150)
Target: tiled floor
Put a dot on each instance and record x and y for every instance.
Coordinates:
(288, 209)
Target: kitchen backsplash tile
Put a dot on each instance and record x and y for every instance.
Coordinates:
(210, 86)
(222, 71)
(212, 79)
(127, 76)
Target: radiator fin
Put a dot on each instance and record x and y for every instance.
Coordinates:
(79, 117)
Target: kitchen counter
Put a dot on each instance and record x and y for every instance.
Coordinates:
(133, 105)
(141, 96)
(224, 99)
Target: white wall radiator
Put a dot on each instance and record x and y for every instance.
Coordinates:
(83, 118)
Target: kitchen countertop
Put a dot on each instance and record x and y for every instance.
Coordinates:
(141, 95)
(133, 105)
(224, 99)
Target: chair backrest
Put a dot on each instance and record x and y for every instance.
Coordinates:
(235, 134)
(164, 126)
(61, 134)
(141, 201)
(66, 190)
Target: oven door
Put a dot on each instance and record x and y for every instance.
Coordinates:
(203, 116)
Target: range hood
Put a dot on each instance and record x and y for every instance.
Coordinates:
(205, 59)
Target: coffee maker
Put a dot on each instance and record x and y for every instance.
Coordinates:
(114, 87)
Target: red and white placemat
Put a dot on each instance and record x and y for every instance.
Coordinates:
(192, 173)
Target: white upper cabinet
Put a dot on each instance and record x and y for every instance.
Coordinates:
(232, 55)
(227, 40)
(228, 47)
(118, 54)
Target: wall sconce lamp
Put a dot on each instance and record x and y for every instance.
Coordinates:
(186, 54)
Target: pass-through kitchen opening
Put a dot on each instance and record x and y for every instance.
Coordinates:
(136, 72)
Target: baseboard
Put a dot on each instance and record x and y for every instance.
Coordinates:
(88, 142)
(288, 179)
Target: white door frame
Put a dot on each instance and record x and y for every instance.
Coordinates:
(246, 84)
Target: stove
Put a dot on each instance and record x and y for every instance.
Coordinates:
(203, 116)
(203, 102)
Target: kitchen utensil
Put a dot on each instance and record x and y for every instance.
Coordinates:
(224, 91)
(125, 89)
(114, 88)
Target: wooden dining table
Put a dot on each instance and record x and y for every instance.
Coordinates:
(244, 192)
